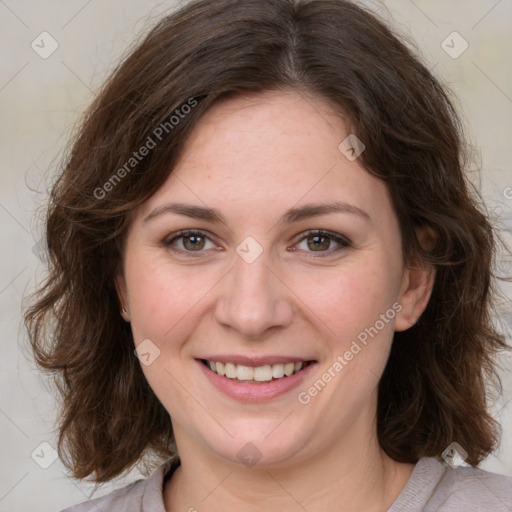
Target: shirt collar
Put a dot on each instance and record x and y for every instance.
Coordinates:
(153, 498)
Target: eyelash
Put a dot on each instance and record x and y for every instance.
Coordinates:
(342, 241)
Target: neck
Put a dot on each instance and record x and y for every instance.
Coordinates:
(353, 476)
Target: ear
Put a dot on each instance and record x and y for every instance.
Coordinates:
(122, 294)
(417, 285)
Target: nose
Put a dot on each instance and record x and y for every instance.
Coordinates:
(254, 299)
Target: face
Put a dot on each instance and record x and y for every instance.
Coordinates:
(240, 274)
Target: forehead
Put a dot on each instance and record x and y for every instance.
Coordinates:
(264, 151)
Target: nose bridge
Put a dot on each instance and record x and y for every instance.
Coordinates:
(253, 299)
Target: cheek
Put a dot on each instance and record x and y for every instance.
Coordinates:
(358, 310)
(164, 308)
(162, 298)
(351, 298)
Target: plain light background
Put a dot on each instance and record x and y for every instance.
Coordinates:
(41, 99)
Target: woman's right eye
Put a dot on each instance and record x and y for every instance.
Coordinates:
(190, 242)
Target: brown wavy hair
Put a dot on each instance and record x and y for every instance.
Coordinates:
(434, 387)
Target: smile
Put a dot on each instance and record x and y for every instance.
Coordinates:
(254, 374)
(266, 379)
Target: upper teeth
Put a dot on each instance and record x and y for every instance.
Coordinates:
(258, 373)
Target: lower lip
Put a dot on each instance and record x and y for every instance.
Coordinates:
(251, 392)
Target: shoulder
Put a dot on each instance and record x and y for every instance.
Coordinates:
(138, 496)
(128, 498)
(475, 488)
(436, 487)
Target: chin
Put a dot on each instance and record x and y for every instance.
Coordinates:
(260, 446)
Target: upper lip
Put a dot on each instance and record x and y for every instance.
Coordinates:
(255, 361)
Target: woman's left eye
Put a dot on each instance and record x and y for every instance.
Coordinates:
(320, 241)
(317, 241)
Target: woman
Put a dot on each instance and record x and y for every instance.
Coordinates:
(268, 271)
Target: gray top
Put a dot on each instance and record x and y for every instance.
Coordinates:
(431, 487)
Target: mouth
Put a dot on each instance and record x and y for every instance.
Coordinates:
(255, 374)
(261, 381)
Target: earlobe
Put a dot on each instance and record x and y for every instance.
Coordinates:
(417, 285)
(122, 295)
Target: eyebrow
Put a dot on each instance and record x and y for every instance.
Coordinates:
(292, 215)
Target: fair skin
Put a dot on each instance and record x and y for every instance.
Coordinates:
(253, 159)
